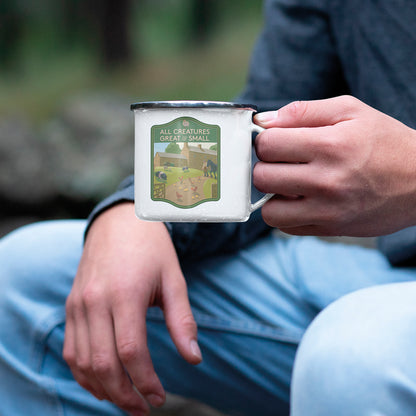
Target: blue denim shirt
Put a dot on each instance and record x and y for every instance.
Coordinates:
(314, 49)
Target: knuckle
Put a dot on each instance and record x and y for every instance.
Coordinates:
(349, 101)
(83, 365)
(69, 356)
(69, 304)
(329, 189)
(336, 148)
(296, 109)
(188, 321)
(101, 366)
(129, 351)
(92, 297)
(348, 105)
(328, 185)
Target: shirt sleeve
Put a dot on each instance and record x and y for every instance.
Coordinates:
(295, 57)
(399, 247)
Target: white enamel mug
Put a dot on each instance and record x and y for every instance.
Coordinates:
(193, 161)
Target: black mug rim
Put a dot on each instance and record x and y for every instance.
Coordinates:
(191, 104)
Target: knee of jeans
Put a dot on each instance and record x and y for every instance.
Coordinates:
(34, 257)
(354, 346)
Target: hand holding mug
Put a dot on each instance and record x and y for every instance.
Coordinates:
(338, 167)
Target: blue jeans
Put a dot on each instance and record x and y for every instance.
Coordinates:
(252, 310)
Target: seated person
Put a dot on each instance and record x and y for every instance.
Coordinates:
(232, 314)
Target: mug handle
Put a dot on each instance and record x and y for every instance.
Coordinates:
(266, 197)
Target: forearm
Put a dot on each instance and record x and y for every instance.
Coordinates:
(349, 169)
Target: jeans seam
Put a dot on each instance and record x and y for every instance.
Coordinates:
(237, 326)
(42, 331)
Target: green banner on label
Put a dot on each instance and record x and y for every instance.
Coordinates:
(185, 162)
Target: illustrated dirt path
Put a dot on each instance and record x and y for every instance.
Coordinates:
(187, 192)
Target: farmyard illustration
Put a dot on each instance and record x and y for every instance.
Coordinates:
(185, 162)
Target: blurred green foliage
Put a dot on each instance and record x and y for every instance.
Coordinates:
(176, 50)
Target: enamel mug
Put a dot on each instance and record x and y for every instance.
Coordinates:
(193, 161)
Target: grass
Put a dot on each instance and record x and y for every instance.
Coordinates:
(174, 173)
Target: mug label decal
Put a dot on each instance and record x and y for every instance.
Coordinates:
(185, 162)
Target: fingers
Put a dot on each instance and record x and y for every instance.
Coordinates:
(306, 196)
(77, 354)
(287, 145)
(94, 358)
(106, 364)
(281, 212)
(309, 113)
(131, 344)
(297, 216)
(180, 320)
(298, 143)
(285, 179)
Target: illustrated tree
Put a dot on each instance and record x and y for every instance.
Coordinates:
(173, 148)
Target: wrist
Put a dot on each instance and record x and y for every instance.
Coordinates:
(119, 222)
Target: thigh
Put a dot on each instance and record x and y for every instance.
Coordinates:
(250, 319)
(359, 351)
(38, 264)
(252, 309)
(325, 271)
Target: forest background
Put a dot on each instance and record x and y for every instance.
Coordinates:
(69, 71)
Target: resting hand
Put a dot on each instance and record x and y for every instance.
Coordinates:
(338, 167)
(127, 266)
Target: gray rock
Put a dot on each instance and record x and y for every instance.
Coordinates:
(24, 172)
(92, 143)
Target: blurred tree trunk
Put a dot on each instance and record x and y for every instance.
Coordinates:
(113, 31)
(11, 24)
(203, 15)
(105, 24)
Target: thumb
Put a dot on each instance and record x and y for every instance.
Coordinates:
(317, 113)
(180, 320)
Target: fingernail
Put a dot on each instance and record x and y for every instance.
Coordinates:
(266, 116)
(196, 350)
(155, 400)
